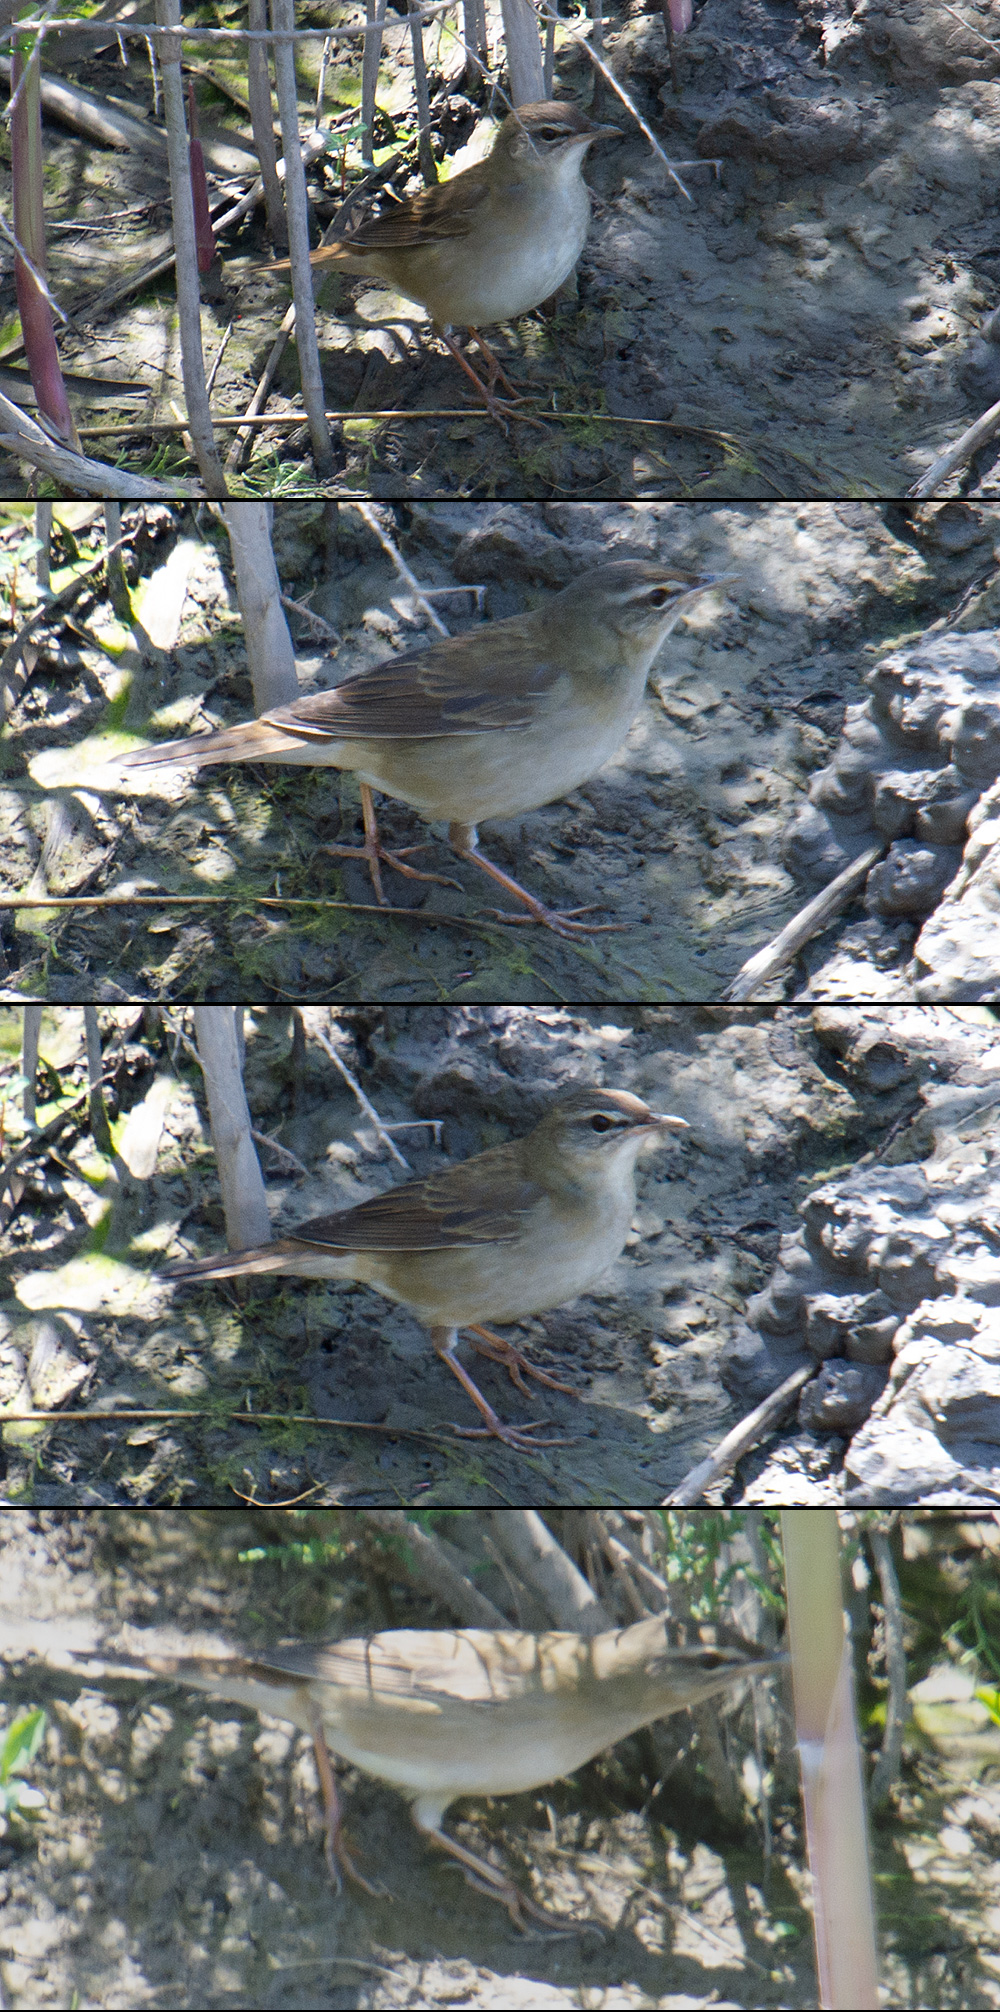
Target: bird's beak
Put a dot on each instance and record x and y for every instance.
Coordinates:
(663, 1121)
(596, 132)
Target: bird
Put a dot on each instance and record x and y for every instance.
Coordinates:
(513, 1231)
(492, 723)
(443, 1713)
(492, 242)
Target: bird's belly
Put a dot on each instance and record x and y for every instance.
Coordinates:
(468, 777)
(527, 265)
(459, 1288)
(479, 1750)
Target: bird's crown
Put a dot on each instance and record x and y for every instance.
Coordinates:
(546, 128)
(592, 1117)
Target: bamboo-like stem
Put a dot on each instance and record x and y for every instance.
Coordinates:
(524, 52)
(369, 77)
(282, 17)
(218, 1031)
(262, 121)
(830, 1761)
(34, 308)
(269, 645)
(186, 254)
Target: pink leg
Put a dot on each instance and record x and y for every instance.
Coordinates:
(515, 1363)
(338, 1857)
(520, 1437)
(496, 407)
(373, 850)
(462, 838)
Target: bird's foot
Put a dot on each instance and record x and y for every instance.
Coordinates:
(373, 850)
(560, 921)
(374, 853)
(499, 409)
(503, 409)
(339, 1860)
(520, 1437)
(520, 1906)
(462, 838)
(498, 1885)
(495, 372)
(514, 1361)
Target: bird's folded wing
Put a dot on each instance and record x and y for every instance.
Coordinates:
(473, 1664)
(448, 211)
(467, 684)
(450, 1210)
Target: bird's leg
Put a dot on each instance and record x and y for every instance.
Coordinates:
(496, 407)
(497, 374)
(487, 1878)
(520, 1437)
(337, 1856)
(515, 1363)
(463, 840)
(373, 850)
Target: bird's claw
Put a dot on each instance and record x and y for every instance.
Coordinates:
(517, 1436)
(560, 921)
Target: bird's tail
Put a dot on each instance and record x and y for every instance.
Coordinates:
(253, 741)
(230, 1264)
(335, 253)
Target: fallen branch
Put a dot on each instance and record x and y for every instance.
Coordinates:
(22, 437)
(755, 1426)
(437, 1566)
(964, 448)
(810, 920)
(352, 1083)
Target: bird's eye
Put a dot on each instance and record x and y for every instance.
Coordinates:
(599, 1123)
(659, 596)
(551, 133)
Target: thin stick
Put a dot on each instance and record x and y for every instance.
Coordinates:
(364, 510)
(306, 341)
(231, 1417)
(154, 426)
(757, 1423)
(809, 921)
(418, 915)
(32, 1027)
(886, 1770)
(146, 29)
(549, 13)
(964, 448)
(369, 75)
(366, 1105)
(186, 255)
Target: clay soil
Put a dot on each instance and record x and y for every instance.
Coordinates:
(773, 1112)
(677, 840)
(807, 324)
(176, 1858)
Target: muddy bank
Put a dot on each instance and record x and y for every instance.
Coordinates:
(680, 839)
(807, 324)
(782, 1101)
